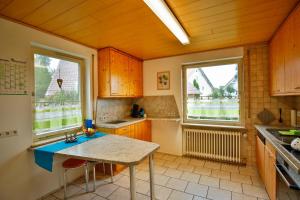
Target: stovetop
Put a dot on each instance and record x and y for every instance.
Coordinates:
(287, 139)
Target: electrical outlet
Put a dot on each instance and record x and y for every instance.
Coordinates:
(8, 133)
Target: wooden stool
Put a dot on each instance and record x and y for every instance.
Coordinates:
(73, 163)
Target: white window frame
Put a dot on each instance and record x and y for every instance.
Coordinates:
(228, 61)
(63, 56)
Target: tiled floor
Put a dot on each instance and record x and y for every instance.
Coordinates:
(176, 178)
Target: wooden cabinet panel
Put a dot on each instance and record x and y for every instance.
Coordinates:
(136, 77)
(119, 75)
(260, 157)
(270, 175)
(285, 57)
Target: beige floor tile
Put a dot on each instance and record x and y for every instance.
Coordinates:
(218, 194)
(251, 171)
(202, 171)
(123, 194)
(159, 162)
(255, 191)
(176, 195)
(99, 198)
(143, 175)
(160, 179)
(186, 167)
(256, 180)
(49, 197)
(212, 165)
(176, 184)
(171, 164)
(169, 157)
(123, 182)
(83, 196)
(173, 173)
(210, 181)
(106, 190)
(71, 191)
(182, 160)
(197, 189)
(189, 176)
(240, 178)
(199, 198)
(220, 174)
(142, 187)
(230, 168)
(238, 196)
(161, 193)
(231, 186)
(196, 162)
(160, 169)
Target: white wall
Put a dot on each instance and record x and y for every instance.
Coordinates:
(169, 134)
(20, 178)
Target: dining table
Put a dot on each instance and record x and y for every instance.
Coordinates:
(117, 149)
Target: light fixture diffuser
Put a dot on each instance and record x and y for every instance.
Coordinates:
(160, 8)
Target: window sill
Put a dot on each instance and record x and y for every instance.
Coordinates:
(47, 140)
(215, 126)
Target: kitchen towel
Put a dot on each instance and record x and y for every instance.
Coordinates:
(44, 155)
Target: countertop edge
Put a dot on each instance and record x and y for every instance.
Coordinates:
(281, 150)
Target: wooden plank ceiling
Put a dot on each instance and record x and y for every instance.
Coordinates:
(129, 25)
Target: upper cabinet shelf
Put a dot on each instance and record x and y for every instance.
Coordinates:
(119, 74)
(285, 57)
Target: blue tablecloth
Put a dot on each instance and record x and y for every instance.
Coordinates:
(44, 155)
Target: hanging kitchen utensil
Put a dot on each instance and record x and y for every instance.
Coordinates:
(265, 116)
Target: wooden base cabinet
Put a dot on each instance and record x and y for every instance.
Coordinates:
(270, 171)
(265, 161)
(260, 157)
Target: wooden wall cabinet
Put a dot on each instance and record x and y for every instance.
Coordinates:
(285, 57)
(119, 75)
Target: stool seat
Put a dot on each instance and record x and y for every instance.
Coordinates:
(73, 163)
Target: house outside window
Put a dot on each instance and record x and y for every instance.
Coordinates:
(58, 102)
(213, 93)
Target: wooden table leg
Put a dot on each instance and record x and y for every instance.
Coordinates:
(132, 182)
(151, 171)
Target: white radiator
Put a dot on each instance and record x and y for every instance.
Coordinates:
(212, 144)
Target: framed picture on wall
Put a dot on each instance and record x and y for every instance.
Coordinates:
(163, 80)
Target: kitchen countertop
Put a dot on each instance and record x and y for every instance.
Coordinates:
(112, 148)
(129, 121)
(292, 161)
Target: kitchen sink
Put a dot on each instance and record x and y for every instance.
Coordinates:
(116, 122)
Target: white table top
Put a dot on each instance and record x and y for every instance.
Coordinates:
(112, 148)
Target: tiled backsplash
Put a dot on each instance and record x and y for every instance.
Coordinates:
(113, 109)
(159, 106)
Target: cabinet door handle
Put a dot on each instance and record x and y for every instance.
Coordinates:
(297, 88)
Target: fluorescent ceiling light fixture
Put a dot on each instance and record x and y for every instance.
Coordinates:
(160, 8)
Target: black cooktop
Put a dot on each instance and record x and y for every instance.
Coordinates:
(283, 138)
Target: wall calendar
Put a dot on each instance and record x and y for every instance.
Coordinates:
(13, 76)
